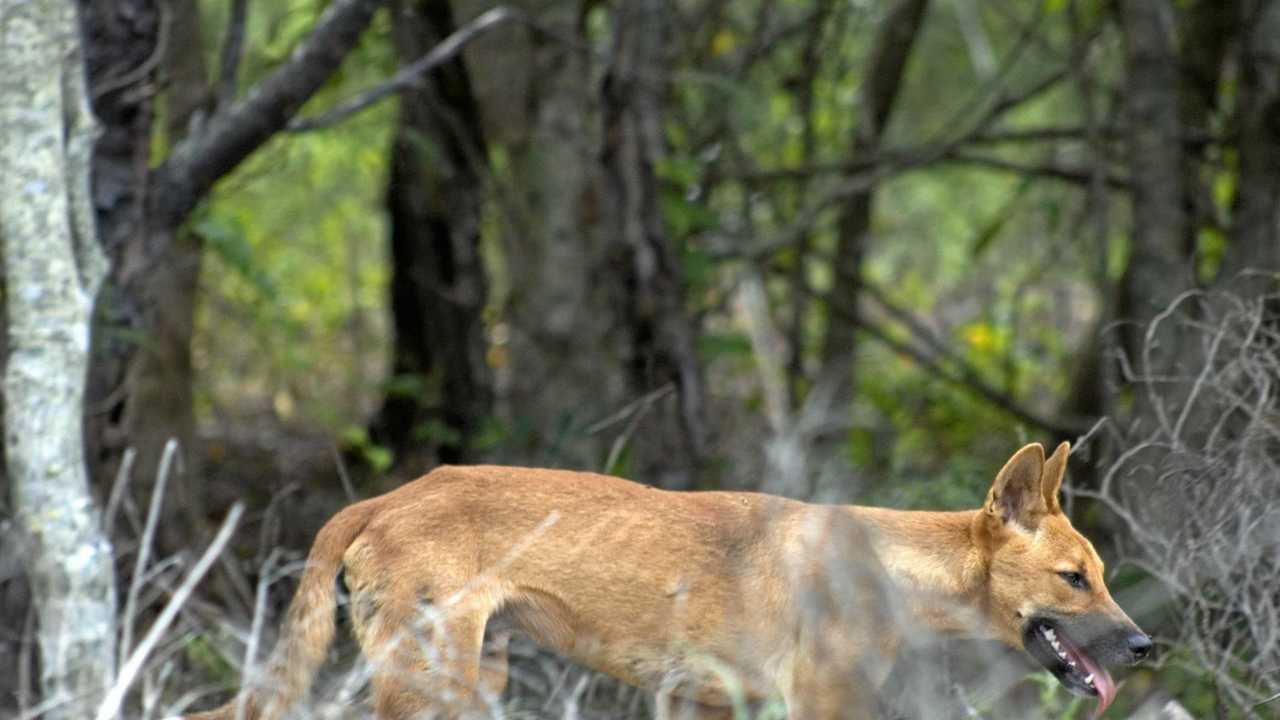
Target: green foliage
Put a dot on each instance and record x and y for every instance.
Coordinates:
(436, 432)
(296, 273)
(377, 457)
(715, 345)
(1002, 270)
(1055, 701)
(225, 239)
(209, 661)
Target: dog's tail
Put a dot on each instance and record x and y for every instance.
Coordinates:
(308, 629)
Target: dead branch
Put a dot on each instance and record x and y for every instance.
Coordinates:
(1195, 485)
(410, 75)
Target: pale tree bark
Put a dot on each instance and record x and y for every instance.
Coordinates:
(649, 288)
(52, 270)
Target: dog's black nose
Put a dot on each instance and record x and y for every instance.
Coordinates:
(1139, 646)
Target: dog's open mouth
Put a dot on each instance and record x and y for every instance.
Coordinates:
(1045, 641)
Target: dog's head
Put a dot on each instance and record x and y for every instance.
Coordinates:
(1046, 591)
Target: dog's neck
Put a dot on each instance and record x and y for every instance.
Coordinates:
(933, 557)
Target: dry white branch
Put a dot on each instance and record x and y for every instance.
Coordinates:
(1198, 490)
(129, 672)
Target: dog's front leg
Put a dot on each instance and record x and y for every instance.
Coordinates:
(829, 692)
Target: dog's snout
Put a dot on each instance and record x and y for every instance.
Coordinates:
(1139, 646)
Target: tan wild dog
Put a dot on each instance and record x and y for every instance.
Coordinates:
(703, 595)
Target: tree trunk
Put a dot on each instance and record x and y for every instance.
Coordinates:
(649, 289)
(143, 375)
(140, 385)
(558, 364)
(53, 267)
(119, 38)
(1160, 266)
(881, 84)
(1253, 253)
(438, 285)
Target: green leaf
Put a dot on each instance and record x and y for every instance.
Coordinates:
(227, 240)
(1211, 245)
(713, 345)
(684, 217)
(409, 385)
(437, 432)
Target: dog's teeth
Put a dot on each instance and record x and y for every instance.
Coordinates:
(1049, 633)
(1089, 678)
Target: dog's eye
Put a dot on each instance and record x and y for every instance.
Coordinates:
(1075, 580)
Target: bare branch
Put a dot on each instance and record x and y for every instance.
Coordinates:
(145, 547)
(1076, 176)
(232, 134)
(936, 358)
(1196, 491)
(409, 76)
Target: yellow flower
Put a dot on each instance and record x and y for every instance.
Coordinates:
(980, 337)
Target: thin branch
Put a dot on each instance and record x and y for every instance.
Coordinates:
(965, 377)
(630, 408)
(1048, 133)
(232, 52)
(1076, 176)
(146, 66)
(123, 475)
(917, 155)
(144, 548)
(410, 75)
(808, 216)
(967, 381)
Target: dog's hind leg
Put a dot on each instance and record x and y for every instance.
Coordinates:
(425, 658)
(458, 681)
(494, 664)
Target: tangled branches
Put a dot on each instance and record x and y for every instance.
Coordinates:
(1199, 483)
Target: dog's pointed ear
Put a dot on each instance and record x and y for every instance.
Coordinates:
(1015, 496)
(1054, 468)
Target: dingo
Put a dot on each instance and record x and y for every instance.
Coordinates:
(692, 593)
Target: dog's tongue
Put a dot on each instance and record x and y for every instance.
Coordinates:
(1101, 680)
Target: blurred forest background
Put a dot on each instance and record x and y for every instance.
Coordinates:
(844, 250)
